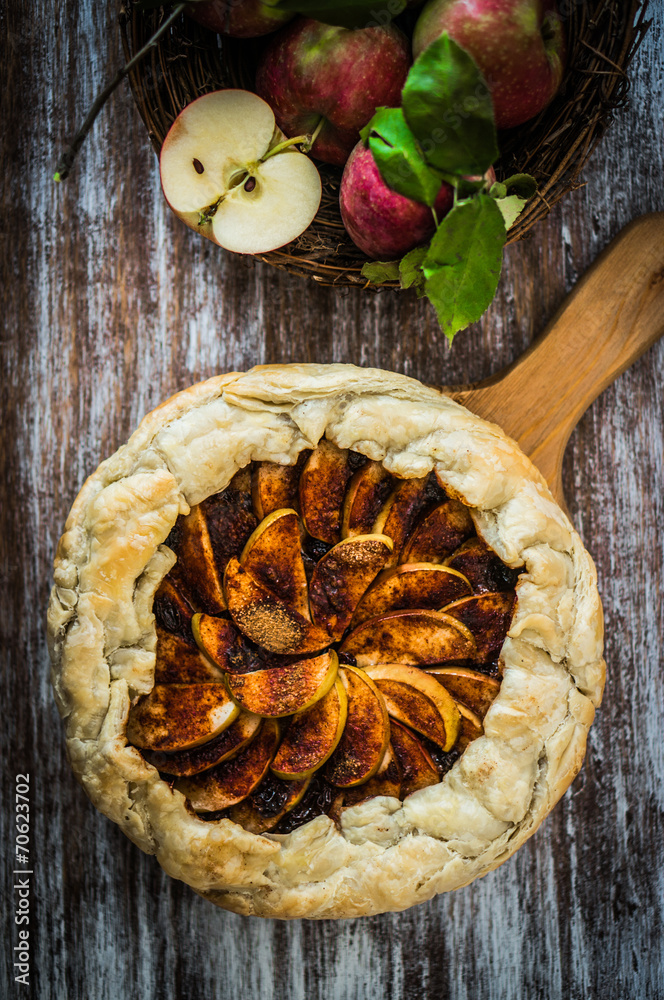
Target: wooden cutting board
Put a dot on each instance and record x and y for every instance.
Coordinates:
(613, 315)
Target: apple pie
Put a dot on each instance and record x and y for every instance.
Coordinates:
(323, 642)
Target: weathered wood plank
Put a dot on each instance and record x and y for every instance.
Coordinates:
(109, 305)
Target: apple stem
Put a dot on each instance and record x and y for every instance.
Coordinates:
(279, 148)
(306, 141)
(67, 159)
(315, 133)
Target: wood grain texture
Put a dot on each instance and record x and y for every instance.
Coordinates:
(612, 316)
(109, 305)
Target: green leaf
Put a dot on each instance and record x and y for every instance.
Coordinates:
(466, 186)
(399, 158)
(463, 265)
(381, 271)
(511, 196)
(522, 184)
(498, 190)
(511, 208)
(410, 270)
(448, 106)
(363, 14)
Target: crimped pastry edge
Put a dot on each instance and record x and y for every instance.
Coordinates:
(387, 855)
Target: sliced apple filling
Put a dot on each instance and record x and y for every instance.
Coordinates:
(329, 633)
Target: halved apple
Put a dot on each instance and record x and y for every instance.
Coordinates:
(401, 510)
(171, 609)
(468, 687)
(267, 620)
(181, 662)
(418, 638)
(471, 728)
(341, 577)
(418, 769)
(415, 698)
(312, 736)
(274, 486)
(367, 491)
(180, 716)
(233, 780)
(482, 567)
(323, 483)
(273, 556)
(185, 763)
(488, 617)
(409, 587)
(222, 174)
(197, 566)
(439, 533)
(279, 691)
(265, 807)
(386, 781)
(366, 734)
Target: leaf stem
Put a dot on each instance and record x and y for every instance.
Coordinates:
(67, 159)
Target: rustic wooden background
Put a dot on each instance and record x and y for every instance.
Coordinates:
(109, 305)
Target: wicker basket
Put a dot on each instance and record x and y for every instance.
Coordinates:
(602, 36)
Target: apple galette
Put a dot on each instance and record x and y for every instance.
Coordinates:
(323, 641)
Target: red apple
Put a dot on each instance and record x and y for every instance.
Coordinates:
(519, 45)
(239, 18)
(381, 222)
(313, 73)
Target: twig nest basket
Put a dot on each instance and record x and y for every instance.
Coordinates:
(602, 37)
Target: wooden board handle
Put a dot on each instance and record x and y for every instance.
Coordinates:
(615, 313)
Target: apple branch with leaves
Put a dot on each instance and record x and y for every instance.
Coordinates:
(445, 132)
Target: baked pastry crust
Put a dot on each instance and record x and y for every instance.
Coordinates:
(387, 854)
